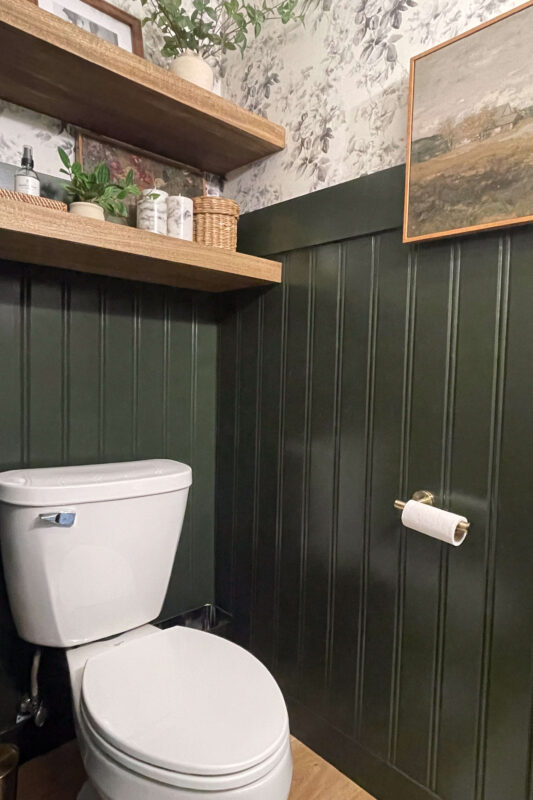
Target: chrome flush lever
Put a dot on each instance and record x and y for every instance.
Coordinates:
(65, 519)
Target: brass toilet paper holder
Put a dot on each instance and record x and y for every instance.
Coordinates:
(423, 496)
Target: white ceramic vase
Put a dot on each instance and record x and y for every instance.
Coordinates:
(90, 210)
(192, 67)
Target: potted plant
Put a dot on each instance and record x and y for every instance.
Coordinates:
(92, 193)
(213, 28)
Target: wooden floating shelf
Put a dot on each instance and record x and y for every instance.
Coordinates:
(37, 235)
(54, 67)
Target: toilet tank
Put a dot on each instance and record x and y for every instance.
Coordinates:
(88, 551)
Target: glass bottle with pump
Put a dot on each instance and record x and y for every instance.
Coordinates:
(26, 179)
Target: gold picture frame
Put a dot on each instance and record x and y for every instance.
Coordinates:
(471, 151)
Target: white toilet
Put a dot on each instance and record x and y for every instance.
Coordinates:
(173, 714)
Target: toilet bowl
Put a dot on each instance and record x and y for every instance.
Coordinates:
(155, 719)
(175, 714)
(179, 714)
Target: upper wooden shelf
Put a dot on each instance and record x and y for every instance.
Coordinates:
(54, 67)
(37, 235)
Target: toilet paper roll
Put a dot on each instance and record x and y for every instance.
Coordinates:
(434, 522)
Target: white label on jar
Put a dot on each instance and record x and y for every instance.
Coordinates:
(27, 185)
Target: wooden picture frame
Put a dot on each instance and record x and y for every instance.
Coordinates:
(477, 140)
(118, 14)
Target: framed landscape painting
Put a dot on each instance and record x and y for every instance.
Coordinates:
(470, 135)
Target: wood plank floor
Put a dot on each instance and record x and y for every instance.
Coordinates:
(59, 776)
(315, 779)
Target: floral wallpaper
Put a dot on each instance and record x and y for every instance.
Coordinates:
(19, 126)
(339, 85)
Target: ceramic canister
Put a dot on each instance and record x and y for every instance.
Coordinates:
(180, 217)
(152, 211)
(192, 67)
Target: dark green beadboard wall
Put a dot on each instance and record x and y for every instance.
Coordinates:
(96, 370)
(377, 369)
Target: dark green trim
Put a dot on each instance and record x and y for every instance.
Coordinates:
(366, 205)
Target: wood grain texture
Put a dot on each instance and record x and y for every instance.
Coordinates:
(42, 236)
(71, 74)
(117, 13)
(315, 779)
(59, 775)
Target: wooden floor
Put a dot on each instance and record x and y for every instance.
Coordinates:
(315, 779)
(59, 776)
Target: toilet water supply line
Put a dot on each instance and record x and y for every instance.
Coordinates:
(34, 677)
(31, 706)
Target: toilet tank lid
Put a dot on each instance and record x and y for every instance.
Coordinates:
(93, 482)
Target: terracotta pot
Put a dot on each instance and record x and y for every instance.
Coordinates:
(90, 210)
(192, 67)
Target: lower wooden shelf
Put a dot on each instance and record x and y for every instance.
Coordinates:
(36, 235)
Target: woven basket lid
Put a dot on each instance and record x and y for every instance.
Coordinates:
(216, 205)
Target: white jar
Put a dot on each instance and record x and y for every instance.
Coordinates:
(180, 217)
(192, 67)
(152, 211)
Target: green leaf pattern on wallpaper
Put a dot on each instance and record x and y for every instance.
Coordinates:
(339, 85)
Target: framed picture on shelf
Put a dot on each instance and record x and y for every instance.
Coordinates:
(470, 135)
(101, 18)
(150, 171)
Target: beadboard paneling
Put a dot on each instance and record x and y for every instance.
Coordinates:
(96, 370)
(375, 370)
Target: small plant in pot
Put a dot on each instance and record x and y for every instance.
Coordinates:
(92, 193)
(212, 29)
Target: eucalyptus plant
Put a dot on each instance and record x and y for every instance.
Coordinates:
(213, 27)
(96, 186)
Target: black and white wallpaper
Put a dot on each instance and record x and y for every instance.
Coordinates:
(339, 85)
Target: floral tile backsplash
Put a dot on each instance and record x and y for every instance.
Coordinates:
(339, 85)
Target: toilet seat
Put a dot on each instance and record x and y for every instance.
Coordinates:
(197, 783)
(185, 708)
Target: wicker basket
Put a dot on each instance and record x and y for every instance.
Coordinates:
(33, 200)
(215, 222)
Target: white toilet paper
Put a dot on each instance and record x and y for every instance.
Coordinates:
(433, 522)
